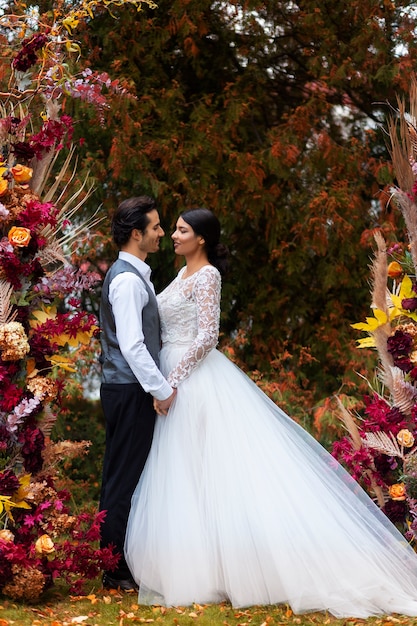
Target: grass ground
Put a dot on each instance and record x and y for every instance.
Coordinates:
(103, 608)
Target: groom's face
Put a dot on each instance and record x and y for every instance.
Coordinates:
(149, 241)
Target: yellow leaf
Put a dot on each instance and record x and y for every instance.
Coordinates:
(63, 362)
(21, 504)
(366, 342)
(372, 323)
(31, 368)
(42, 315)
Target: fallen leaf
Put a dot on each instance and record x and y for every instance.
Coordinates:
(93, 599)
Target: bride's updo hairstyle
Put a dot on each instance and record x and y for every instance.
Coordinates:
(205, 223)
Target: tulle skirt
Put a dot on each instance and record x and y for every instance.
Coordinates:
(237, 502)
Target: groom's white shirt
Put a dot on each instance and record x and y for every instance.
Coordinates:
(128, 297)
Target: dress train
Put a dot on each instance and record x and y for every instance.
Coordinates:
(237, 502)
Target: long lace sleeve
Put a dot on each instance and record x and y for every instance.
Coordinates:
(206, 295)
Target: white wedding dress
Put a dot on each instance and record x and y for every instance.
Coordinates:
(237, 502)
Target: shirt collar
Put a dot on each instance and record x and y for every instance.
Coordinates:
(140, 265)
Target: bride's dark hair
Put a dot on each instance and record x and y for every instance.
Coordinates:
(205, 223)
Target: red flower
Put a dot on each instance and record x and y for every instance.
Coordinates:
(38, 214)
(51, 134)
(10, 397)
(382, 417)
(9, 483)
(32, 440)
(27, 56)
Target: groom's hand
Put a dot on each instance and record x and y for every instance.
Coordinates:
(162, 406)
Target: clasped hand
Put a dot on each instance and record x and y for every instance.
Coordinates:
(162, 406)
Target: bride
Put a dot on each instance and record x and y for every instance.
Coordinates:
(237, 502)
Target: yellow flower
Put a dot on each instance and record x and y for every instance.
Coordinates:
(44, 545)
(21, 173)
(3, 186)
(397, 492)
(19, 237)
(405, 438)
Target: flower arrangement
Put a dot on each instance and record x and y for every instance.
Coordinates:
(381, 448)
(42, 324)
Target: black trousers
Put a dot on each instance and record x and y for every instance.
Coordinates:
(130, 421)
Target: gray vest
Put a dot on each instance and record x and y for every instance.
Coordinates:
(115, 368)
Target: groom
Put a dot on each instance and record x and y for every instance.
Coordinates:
(131, 380)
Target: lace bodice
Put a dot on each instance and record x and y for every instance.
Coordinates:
(190, 312)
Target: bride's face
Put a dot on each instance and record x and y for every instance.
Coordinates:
(186, 242)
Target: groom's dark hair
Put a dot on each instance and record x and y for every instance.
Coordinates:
(130, 214)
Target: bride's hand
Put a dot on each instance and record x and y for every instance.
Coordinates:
(162, 406)
(158, 409)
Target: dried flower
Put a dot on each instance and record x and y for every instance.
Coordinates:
(43, 388)
(27, 583)
(13, 341)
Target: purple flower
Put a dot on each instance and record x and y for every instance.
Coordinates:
(22, 151)
(409, 304)
(395, 511)
(399, 344)
(9, 483)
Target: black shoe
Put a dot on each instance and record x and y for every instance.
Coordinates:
(123, 584)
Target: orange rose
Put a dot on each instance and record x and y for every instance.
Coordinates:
(44, 545)
(395, 270)
(397, 492)
(3, 186)
(19, 237)
(21, 173)
(405, 438)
